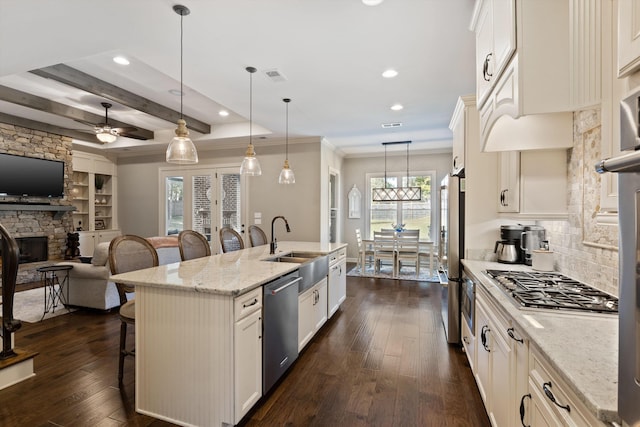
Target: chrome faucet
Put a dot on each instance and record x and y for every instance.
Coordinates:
(274, 241)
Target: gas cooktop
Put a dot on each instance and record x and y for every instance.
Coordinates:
(553, 291)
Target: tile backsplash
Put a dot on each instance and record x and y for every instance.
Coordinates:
(585, 250)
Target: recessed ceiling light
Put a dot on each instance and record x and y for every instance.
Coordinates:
(397, 107)
(223, 113)
(389, 74)
(120, 60)
(372, 2)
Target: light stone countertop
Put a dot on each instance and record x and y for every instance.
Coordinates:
(233, 273)
(582, 348)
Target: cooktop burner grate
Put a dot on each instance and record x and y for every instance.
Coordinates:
(553, 290)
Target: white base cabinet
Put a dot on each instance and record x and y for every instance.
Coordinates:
(337, 286)
(312, 312)
(501, 363)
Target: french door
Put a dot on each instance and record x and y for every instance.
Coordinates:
(204, 200)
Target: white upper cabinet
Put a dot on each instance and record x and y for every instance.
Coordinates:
(525, 93)
(628, 37)
(495, 42)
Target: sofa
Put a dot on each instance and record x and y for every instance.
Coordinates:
(89, 284)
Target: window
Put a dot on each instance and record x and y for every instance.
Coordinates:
(414, 215)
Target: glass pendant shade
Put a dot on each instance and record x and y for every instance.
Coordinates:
(181, 150)
(250, 164)
(286, 174)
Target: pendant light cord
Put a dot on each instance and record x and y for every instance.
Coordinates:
(385, 166)
(407, 183)
(250, 107)
(286, 149)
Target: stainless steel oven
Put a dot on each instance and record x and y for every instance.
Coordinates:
(468, 301)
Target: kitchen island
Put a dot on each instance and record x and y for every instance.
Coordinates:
(579, 350)
(198, 333)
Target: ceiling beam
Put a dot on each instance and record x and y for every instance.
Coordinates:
(42, 104)
(45, 127)
(83, 81)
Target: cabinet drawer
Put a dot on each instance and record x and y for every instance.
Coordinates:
(336, 256)
(542, 377)
(248, 303)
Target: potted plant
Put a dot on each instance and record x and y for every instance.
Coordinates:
(99, 183)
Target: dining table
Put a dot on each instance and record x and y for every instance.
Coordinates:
(425, 248)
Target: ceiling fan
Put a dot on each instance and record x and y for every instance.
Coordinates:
(106, 134)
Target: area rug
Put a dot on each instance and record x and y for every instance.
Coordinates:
(28, 306)
(406, 273)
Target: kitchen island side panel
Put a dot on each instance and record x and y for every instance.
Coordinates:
(184, 356)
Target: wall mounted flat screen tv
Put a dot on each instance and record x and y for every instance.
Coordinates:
(31, 177)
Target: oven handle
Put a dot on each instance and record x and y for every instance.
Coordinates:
(626, 163)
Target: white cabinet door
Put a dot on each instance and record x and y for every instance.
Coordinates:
(305, 317)
(320, 305)
(509, 180)
(248, 363)
(495, 43)
(628, 37)
(502, 395)
(483, 354)
(87, 240)
(458, 127)
(337, 286)
(469, 344)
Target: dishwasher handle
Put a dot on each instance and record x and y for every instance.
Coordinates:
(281, 288)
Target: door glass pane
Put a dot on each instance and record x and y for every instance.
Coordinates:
(230, 197)
(175, 204)
(201, 212)
(417, 215)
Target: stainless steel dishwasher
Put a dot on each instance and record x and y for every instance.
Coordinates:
(280, 334)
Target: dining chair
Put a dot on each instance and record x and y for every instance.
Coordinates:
(193, 245)
(407, 249)
(384, 249)
(230, 240)
(365, 253)
(257, 236)
(128, 253)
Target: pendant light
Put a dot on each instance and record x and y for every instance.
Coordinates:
(181, 149)
(397, 194)
(286, 174)
(250, 164)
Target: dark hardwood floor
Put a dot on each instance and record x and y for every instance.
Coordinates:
(382, 360)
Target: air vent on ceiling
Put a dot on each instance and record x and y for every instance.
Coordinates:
(391, 125)
(275, 75)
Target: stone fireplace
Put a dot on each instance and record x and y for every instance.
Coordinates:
(48, 224)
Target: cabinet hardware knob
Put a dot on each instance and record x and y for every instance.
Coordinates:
(513, 337)
(546, 387)
(522, 409)
(485, 68)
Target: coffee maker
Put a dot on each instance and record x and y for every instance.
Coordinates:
(532, 239)
(508, 249)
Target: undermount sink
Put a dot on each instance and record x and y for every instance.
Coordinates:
(295, 257)
(313, 266)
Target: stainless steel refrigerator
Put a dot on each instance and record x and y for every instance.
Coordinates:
(628, 168)
(451, 250)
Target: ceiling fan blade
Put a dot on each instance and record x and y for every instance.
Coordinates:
(132, 136)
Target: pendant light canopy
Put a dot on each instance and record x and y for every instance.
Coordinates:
(181, 149)
(397, 194)
(250, 164)
(286, 174)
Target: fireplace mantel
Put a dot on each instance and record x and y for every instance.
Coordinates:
(57, 210)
